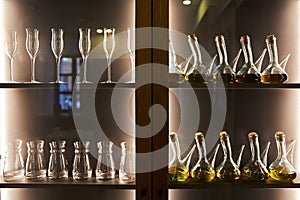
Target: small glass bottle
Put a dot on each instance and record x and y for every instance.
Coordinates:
(228, 170)
(226, 72)
(273, 73)
(35, 164)
(198, 72)
(203, 171)
(281, 169)
(254, 170)
(178, 168)
(105, 168)
(127, 162)
(57, 162)
(249, 73)
(13, 168)
(81, 165)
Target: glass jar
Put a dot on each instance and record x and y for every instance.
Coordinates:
(81, 165)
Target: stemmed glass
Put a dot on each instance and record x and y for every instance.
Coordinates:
(32, 47)
(130, 47)
(109, 47)
(57, 46)
(84, 47)
(11, 46)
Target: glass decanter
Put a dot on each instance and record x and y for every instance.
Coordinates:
(198, 72)
(81, 166)
(203, 171)
(178, 168)
(249, 73)
(226, 72)
(127, 162)
(281, 169)
(255, 170)
(228, 170)
(274, 73)
(57, 163)
(105, 168)
(13, 162)
(35, 163)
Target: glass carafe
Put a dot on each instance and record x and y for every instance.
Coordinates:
(105, 166)
(274, 73)
(57, 162)
(255, 170)
(35, 163)
(178, 167)
(175, 74)
(281, 169)
(127, 162)
(81, 165)
(249, 73)
(203, 171)
(226, 72)
(228, 170)
(13, 162)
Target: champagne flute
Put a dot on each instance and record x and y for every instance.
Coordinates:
(32, 47)
(85, 47)
(130, 47)
(11, 46)
(109, 47)
(57, 46)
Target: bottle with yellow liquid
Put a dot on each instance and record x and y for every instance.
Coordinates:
(203, 171)
(274, 72)
(281, 169)
(228, 170)
(178, 168)
(255, 169)
(249, 73)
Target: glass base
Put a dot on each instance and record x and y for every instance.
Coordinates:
(85, 82)
(132, 81)
(107, 82)
(33, 82)
(59, 82)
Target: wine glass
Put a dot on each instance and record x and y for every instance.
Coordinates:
(85, 47)
(57, 46)
(11, 46)
(32, 47)
(109, 47)
(130, 47)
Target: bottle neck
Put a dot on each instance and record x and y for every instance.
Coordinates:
(172, 58)
(254, 145)
(193, 51)
(226, 148)
(176, 148)
(247, 53)
(273, 53)
(201, 149)
(281, 149)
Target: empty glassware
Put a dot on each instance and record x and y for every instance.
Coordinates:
(57, 162)
(35, 163)
(13, 162)
(105, 166)
(85, 48)
(32, 47)
(11, 46)
(81, 165)
(127, 162)
(57, 46)
(109, 47)
(281, 169)
(131, 50)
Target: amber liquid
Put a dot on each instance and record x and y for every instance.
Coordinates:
(203, 175)
(228, 78)
(274, 78)
(248, 78)
(176, 78)
(282, 175)
(229, 174)
(254, 174)
(178, 174)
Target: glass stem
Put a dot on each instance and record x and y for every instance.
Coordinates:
(33, 70)
(109, 69)
(11, 70)
(57, 69)
(84, 70)
(132, 68)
